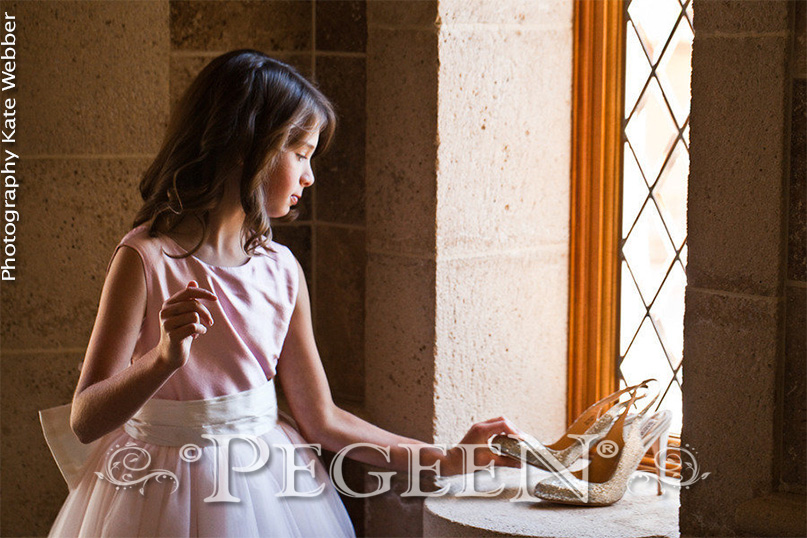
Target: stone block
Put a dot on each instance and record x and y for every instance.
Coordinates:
(402, 13)
(73, 214)
(729, 385)
(282, 25)
(732, 17)
(544, 13)
(400, 339)
(778, 514)
(401, 140)
(33, 487)
(340, 277)
(92, 76)
(342, 25)
(297, 237)
(735, 186)
(505, 139)
(340, 171)
(797, 212)
(501, 324)
(794, 417)
(185, 68)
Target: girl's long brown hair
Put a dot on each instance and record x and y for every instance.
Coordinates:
(243, 109)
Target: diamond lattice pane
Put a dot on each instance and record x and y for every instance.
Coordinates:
(667, 313)
(657, 107)
(654, 20)
(637, 69)
(672, 401)
(675, 70)
(671, 194)
(632, 313)
(645, 359)
(634, 191)
(649, 252)
(651, 131)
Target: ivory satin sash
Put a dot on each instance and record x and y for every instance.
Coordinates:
(166, 423)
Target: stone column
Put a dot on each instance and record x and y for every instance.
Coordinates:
(735, 299)
(468, 149)
(502, 226)
(402, 67)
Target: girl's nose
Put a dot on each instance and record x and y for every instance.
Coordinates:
(307, 178)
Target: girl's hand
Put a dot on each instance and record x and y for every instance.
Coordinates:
(479, 434)
(182, 319)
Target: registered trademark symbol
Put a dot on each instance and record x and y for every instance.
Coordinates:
(607, 449)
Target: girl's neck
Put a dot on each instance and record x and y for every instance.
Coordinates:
(224, 244)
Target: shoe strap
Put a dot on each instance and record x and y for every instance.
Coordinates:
(609, 401)
(641, 413)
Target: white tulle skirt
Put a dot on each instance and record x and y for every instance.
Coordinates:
(157, 475)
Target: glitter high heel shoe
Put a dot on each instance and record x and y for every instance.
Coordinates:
(594, 422)
(617, 456)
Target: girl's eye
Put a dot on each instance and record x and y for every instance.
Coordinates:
(301, 157)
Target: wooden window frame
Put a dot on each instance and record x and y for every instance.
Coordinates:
(596, 194)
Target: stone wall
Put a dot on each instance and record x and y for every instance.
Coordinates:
(744, 381)
(96, 83)
(92, 103)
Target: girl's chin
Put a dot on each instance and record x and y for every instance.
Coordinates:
(280, 213)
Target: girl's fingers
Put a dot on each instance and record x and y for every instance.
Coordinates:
(192, 329)
(501, 425)
(187, 306)
(191, 318)
(504, 461)
(192, 293)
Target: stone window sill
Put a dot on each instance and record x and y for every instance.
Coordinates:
(641, 513)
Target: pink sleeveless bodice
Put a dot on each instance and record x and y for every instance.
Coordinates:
(255, 302)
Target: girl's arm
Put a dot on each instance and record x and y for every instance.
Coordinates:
(321, 421)
(109, 390)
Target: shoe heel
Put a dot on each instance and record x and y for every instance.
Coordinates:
(658, 450)
(657, 462)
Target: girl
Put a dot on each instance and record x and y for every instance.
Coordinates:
(200, 311)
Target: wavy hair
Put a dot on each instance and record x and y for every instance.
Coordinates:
(243, 109)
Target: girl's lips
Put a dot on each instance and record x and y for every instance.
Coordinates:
(294, 199)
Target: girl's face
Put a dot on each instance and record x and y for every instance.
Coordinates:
(293, 173)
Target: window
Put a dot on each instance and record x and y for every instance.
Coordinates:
(658, 60)
(630, 170)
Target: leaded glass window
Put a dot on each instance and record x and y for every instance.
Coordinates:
(653, 252)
